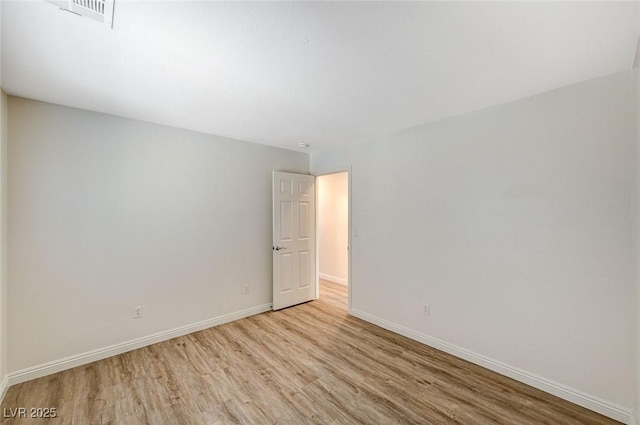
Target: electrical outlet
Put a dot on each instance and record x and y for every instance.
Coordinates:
(137, 312)
(426, 309)
(246, 289)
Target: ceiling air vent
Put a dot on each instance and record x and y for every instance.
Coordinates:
(100, 10)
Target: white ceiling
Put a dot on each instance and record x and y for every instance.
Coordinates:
(324, 73)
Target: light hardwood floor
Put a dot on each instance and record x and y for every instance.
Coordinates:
(309, 364)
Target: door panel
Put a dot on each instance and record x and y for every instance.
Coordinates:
(303, 221)
(305, 259)
(294, 242)
(286, 221)
(286, 272)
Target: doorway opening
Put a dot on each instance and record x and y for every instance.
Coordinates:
(333, 238)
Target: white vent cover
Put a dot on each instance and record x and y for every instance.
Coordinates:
(100, 10)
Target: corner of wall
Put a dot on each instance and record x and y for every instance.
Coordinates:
(636, 236)
(3, 243)
(3, 232)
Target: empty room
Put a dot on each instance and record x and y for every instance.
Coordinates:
(319, 212)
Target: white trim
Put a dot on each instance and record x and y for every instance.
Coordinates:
(113, 350)
(4, 386)
(334, 279)
(575, 396)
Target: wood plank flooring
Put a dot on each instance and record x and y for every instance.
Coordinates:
(309, 364)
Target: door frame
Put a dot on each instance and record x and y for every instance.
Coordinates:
(324, 172)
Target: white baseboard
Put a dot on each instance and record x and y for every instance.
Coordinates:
(578, 397)
(331, 278)
(113, 350)
(4, 386)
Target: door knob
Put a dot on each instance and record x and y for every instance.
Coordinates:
(278, 248)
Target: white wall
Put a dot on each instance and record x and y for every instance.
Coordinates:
(515, 224)
(333, 226)
(108, 213)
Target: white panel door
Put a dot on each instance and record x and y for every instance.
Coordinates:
(294, 239)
